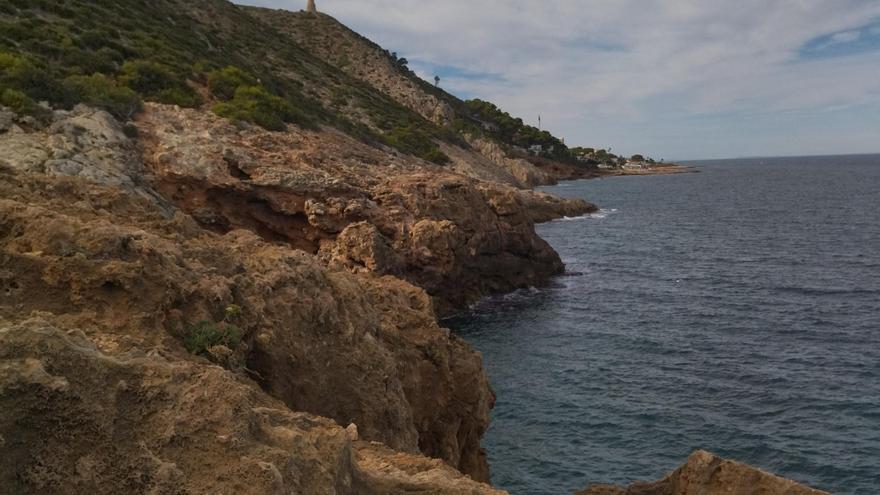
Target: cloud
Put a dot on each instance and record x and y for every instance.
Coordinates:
(846, 36)
(605, 71)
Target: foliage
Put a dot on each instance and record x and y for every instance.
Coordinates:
(100, 91)
(578, 151)
(204, 335)
(21, 74)
(223, 83)
(637, 158)
(19, 102)
(514, 131)
(256, 105)
(158, 82)
(416, 142)
(207, 334)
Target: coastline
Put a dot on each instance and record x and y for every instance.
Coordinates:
(665, 170)
(214, 296)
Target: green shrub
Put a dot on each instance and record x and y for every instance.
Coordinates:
(158, 82)
(416, 142)
(100, 91)
(21, 74)
(89, 62)
(255, 104)
(19, 102)
(223, 83)
(202, 336)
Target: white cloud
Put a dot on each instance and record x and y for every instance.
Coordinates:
(628, 62)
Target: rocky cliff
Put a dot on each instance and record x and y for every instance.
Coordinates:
(196, 304)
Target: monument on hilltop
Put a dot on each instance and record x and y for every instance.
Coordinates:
(311, 8)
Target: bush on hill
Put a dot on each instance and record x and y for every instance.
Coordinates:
(416, 142)
(256, 105)
(100, 91)
(157, 82)
(223, 83)
(18, 102)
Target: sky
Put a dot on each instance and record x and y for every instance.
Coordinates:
(671, 79)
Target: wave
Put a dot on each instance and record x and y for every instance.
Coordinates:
(603, 213)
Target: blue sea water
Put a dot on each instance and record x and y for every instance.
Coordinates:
(735, 310)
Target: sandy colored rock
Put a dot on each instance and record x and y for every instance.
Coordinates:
(354, 348)
(384, 471)
(74, 420)
(457, 237)
(707, 474)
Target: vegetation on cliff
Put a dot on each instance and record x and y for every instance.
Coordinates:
(113, 55)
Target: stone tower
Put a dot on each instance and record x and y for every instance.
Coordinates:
(311, 9)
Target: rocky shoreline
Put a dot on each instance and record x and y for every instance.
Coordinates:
(113, 248)
(194, 305)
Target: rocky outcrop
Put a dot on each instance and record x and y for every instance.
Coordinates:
(84, 142)
(76, 419)
(704, 474)
(359, 207)
(526, 174)
(103, 280)
(351, 347)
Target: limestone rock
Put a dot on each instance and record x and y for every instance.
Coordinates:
(74, 419)
(351, 347)
(458, 238)
(85, 143)
(705, 474)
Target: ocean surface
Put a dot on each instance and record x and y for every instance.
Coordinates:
(735, 310)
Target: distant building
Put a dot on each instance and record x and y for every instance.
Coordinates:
(536, 149)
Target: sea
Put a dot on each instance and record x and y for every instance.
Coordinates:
(736, 310)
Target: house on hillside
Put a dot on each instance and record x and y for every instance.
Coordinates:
(536, 149)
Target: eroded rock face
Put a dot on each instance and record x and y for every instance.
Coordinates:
(356, 348)
(705, 474)
(458, 238)
(75, 419)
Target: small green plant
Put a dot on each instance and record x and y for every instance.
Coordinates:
(204, 335)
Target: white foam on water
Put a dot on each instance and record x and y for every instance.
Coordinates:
(603, 213)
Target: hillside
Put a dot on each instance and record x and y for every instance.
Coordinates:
(493, 134)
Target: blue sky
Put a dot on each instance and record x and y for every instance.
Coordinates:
(673, 79)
